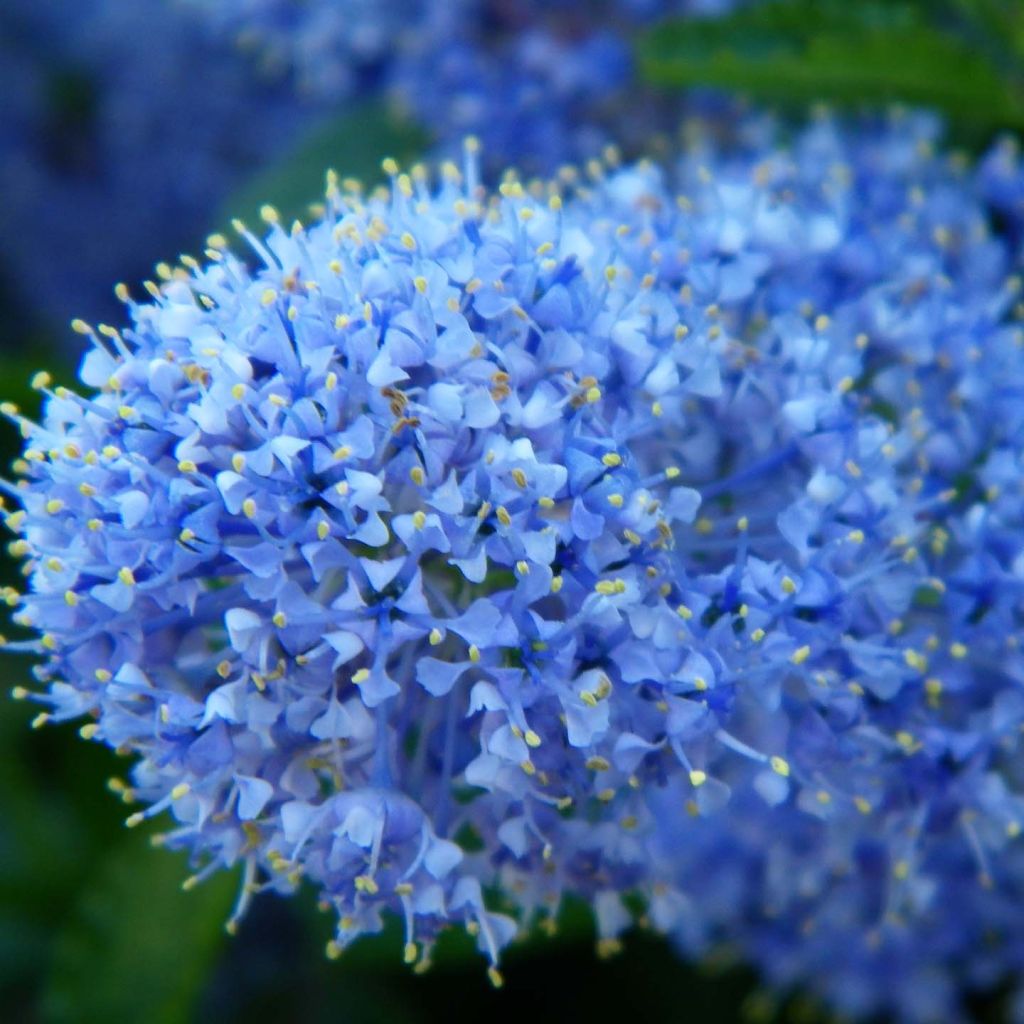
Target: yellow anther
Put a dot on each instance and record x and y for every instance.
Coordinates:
(53, 506)
(757, 635)
(494, 976)
(556, 584)
(958, 650)
(365, 883)
(417, 476)
(474, 653)
(779, 765)
(180, 790)
(616, 500)
(698, 778)
(249, 508)
(238, 462)
(522, 567)
(532, 739)
(800, 655)
(593, 394)
(598, 763)
(360, 676)
(419, 519)
(611, 459)
(519, 477)
(915, 659)
(187, 466)
(269, 214)
(126, 576)
(503, 517)
(656, 409)
(435, 637)
(269, 297)
(787, 585)
(280, 620)
(70, 598)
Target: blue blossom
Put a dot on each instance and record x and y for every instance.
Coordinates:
(655, 534)
(121, 124)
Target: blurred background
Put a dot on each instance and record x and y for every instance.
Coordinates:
(129, 130)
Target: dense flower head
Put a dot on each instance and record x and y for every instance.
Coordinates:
(654, 532)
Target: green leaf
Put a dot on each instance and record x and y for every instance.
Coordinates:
(353, 144)
(136, 948)
(833, 50)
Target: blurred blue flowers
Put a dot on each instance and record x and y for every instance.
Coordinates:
(541, 84)
(653, 534)
(122, 132)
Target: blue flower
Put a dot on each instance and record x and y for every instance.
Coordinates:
(659, 535)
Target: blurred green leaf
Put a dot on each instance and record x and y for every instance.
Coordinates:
(136, 948)
(836, 51)
(353, 144)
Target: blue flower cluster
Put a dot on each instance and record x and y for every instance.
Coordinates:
(122, 132)
(653, 533)
(540, 84)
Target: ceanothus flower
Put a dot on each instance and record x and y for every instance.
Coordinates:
(656, 534)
